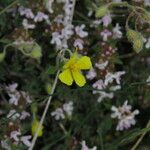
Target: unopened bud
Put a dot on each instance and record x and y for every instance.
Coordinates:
(36, 52)
(2, 56)
(48, 88)
(102, 11)
(35, 125)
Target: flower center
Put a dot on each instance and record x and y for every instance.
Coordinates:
(73, 66)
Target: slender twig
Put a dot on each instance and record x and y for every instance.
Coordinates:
(141, 138)
(44, 113)
(101, 140)
(9, 6)
(53, 89)
(63, 128)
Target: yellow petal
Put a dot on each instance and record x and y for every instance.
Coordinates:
(66, 77)
(35, 125)
(71, 61)
(79, 78)
(84, 63)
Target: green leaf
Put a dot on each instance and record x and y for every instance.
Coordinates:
(52, 70)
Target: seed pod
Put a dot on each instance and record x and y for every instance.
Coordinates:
(36, 52)
(132, 35)
(146, 16)
(103, 10)
(138, 45)
(2, 56)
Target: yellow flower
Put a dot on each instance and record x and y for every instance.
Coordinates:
(72, 70)
(35, 125)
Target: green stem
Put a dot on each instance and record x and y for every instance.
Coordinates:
(9, 6)
(141, 138)
(44, 113)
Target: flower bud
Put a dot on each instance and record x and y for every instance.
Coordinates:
(48, 88)
(36, 52)
(2, 56)
(103, 10)
(35, 125)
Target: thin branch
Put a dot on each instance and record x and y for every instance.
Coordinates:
(9, 6)
(141, 138)
(44, 113)
(53, 89)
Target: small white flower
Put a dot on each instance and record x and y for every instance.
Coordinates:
(26, 140)
(5, 145)
(85, 147)
(14, 135)
(58, 114)
(13, 114)
(96, 23)
(68, 108)
(59, 19)
(103, 95)
(26, 12)
(64, 44)
(110, 77)
(48, 5)
(12, 87)
(115, 88)
(148, 80)
(67, 32)
(101, 66)
(117, 34)
(56, 39)
(90, 13)
(126, 118)
(127, 121)
(26, 97)
(147, 45)
(80, 32)
(24, 115)
(26, 24)
(14, 98)
(99, 85)
(78, 43)
(40, 17)
(91, 74)
(116, 113)
(147, 3)
(67, 7)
